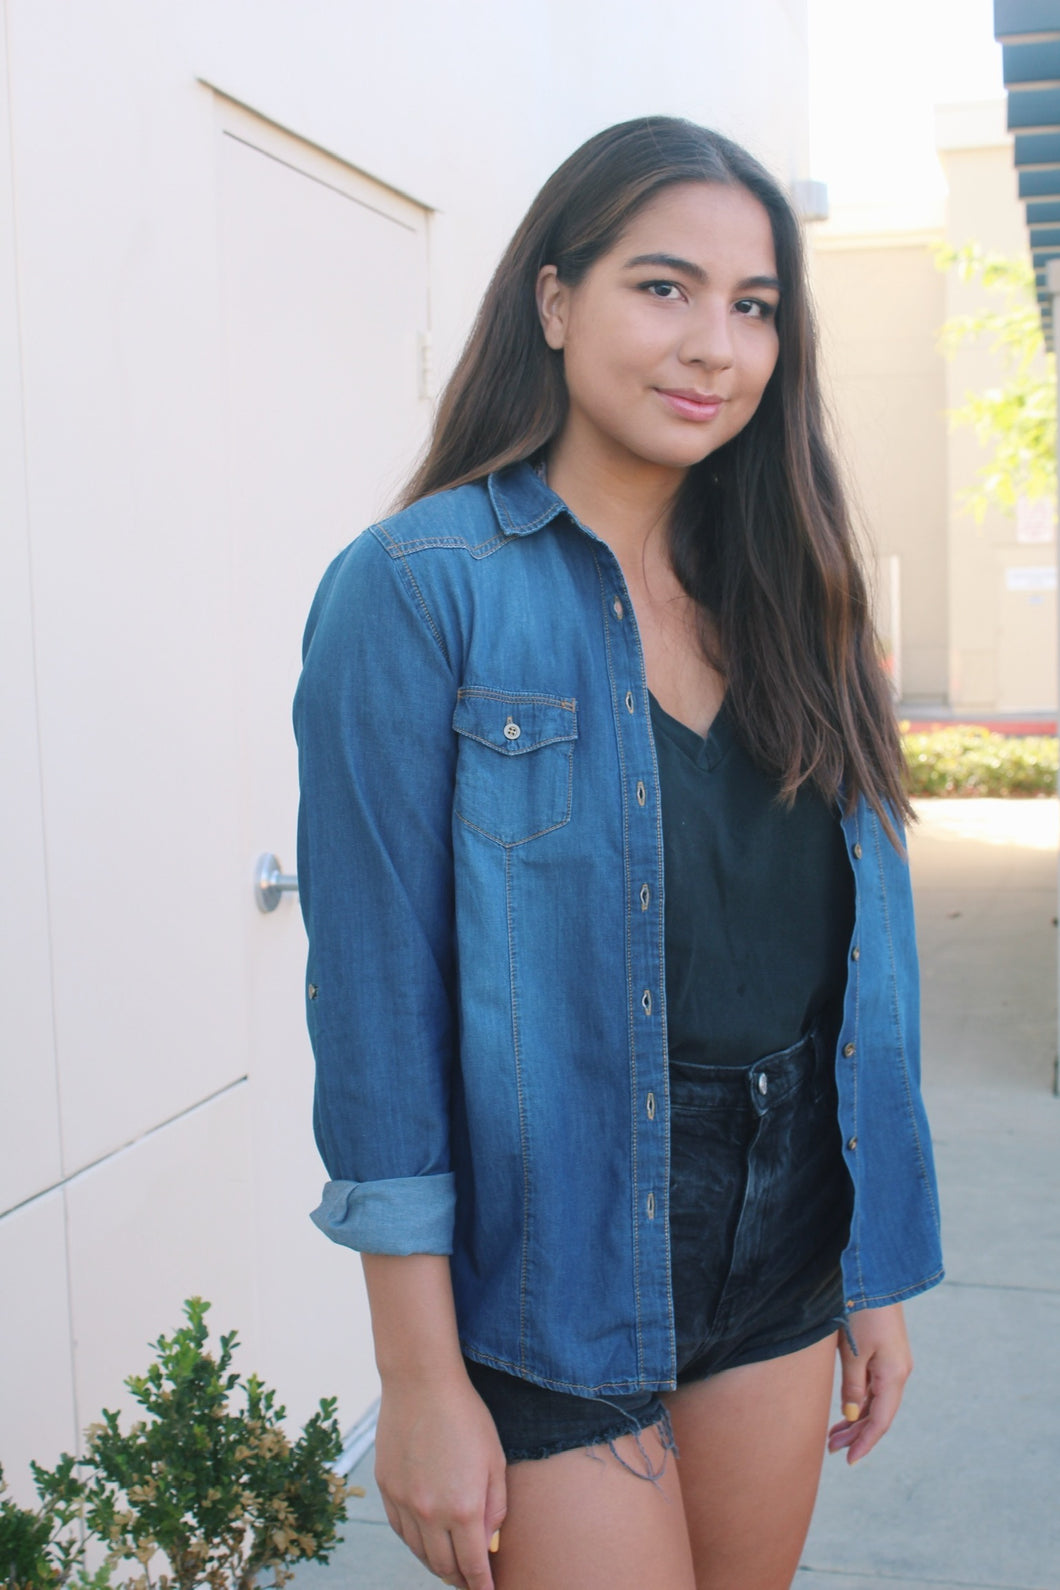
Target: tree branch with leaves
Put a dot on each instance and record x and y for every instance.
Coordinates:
(1016, 419)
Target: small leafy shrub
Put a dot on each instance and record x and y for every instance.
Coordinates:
(209, 1480)
(26, 1543)
(968, 760)
(42, 1548)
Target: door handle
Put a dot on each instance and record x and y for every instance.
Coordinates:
(270, 882)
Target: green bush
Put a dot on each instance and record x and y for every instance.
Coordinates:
(43, 1548)
(40, 1548)
(968, 760)
(207, 1492)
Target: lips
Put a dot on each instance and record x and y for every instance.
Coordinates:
(691, 405)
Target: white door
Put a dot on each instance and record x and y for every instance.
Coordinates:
(325, 300)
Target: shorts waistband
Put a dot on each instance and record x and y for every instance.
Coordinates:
(763, 1083)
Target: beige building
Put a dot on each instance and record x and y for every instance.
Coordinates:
(240, 242)
(969, 609)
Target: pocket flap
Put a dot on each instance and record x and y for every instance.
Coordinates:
(514, 722)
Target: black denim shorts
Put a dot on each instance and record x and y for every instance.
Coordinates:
(760, 1205)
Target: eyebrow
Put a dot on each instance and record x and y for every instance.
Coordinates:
(696, 272)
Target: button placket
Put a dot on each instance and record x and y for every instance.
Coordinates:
(644, 861)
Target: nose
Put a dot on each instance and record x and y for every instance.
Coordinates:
(708, 338)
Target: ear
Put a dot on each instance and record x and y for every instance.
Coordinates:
(553, 301)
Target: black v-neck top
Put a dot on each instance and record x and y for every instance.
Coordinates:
(759, 901)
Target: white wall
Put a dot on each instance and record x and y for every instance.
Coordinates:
(146, 1149)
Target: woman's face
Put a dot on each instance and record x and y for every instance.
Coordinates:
(670, 338)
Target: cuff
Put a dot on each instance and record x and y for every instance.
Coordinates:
(404, 1214)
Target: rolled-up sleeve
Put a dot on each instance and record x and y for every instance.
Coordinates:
(373, 715)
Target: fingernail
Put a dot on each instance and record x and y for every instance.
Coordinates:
(851, 1412)
(495, 1540)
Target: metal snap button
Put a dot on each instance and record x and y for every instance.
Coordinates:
(651, 1206)
(646, 1001)
(512, 730)
(630, 703)
(857, 852)
(849, 1050)
(852, 1143)
(763, 1083)
(855, 954)
(650, 1106)
(642, 793)
(645, 896)
(617, 608)
(312, 990)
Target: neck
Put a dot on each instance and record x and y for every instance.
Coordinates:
(626, 501)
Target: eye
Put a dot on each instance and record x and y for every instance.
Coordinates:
(755, 308)
(669, 292)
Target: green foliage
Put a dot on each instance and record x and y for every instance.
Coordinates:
(208, 1480)
(968, 760)
(1017, 418)
(41, 1548)
(25, 1538)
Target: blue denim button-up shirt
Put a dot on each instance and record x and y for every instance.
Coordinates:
(480, 860)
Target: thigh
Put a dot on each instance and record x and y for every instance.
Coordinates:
(581, 1520)
(752, 1440)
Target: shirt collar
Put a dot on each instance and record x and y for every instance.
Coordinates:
(523, 501)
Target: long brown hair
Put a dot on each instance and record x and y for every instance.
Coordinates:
(760, 536)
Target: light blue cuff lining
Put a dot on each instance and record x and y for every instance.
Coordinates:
(404, 1214)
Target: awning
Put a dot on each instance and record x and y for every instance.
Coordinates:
(1029, 33)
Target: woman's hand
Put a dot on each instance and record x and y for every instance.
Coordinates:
(873, 1382)
(440, 1468)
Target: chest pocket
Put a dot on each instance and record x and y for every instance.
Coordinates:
(515, 766)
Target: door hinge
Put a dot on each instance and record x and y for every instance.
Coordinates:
(428, 380)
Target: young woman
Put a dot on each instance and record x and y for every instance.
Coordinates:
(612, 981)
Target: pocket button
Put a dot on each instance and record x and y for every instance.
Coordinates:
(512, 730)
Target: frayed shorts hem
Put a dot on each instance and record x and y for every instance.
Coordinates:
(654, 1416)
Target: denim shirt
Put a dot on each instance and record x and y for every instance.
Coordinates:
(480, 858)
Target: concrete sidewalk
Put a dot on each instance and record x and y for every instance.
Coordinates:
(965, 1490)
